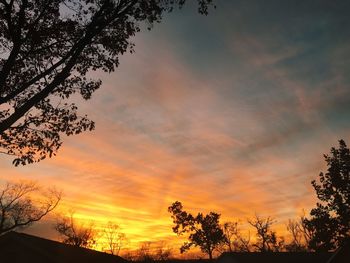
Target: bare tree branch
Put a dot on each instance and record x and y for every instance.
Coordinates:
(19, 209)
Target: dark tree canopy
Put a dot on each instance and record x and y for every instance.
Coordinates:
(47, 49)
(330, 220)
(18, 207)
(204, 230)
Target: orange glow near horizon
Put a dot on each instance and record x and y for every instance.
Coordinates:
(136, 196)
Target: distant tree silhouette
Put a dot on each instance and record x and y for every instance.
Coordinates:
(76, 234)
(19, 208)
(308, 232)
(299, 242)
(114, 238)
(231, 232)
(204, 230)
(243, 243)
(144, 253)
(128, 255)
(152, 252)
(234, 240)
(267, 240)
(162, 252)
(48, 48)
(330, 220)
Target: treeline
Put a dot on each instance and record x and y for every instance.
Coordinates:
(214, 238)
(325, 229)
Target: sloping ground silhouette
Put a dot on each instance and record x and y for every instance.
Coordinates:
(19, 248)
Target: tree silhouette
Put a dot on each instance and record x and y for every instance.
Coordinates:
(299, 242)
(267, 240)
(151, 252)
(144, 253)
(204, 230)
(18, 207)
(48, 48)
(329, 221)
(75, 234)
(234, 240)
(162, 253)
(231, 233)
(114, 238)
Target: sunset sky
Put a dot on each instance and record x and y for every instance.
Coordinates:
(230, 112)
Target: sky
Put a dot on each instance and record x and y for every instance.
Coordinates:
(230, 112)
